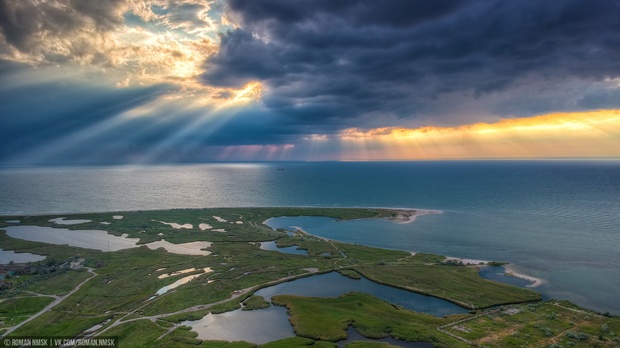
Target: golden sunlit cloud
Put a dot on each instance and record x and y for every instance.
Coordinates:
(578, 134)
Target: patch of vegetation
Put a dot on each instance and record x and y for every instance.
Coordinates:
(350, 273)
(298, 342)
(255, 302)
(366, 344)
(139, 333)
(58, 323)
(539, 325)
(57, 283)
(15, 310)
(458, 284)
(327, 319)
(225, 307)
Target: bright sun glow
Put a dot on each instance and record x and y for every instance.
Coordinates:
(580, 134)
(249, 93)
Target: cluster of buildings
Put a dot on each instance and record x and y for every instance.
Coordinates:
(7, 272)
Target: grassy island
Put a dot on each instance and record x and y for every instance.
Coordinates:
(82, 292)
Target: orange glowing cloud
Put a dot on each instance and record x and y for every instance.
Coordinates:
(578, 134)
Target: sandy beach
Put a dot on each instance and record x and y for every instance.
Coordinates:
(406, 216)
(468, 262)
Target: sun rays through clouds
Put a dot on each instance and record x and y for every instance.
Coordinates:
(203, 80)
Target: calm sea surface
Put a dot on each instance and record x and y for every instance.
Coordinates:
(557, 220)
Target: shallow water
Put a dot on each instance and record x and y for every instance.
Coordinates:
(265, 325)
(99, 240)
(287, 250)
(353, 336)
(90, 239)
(62, 221)
(258, 326)
(181, 281)
(572, 272)
(6, 256)
(191, 248)
(315, 286)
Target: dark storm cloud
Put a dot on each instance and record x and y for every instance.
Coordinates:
(335, 60)
(22, 21)
(106, 14)
(32, 26)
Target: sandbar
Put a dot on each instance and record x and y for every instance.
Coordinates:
(192, 248)
(89, 239)
(407, 216)
(181, 281)
(62, 221)
(204, 226)
(510, 271)
(175, 225)
(183, 271)
(467, 261)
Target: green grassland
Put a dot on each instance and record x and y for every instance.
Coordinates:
(460, 285)
(327, 319)
(15, 310)
(255, 302)
(121, 296)
(542, 324)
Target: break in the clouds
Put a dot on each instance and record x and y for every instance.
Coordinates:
(193, 80)
(347, 59)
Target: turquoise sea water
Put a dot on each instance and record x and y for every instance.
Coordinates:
(558, 220)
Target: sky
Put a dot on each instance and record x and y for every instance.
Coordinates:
(166, 81)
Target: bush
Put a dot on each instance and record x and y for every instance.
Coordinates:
(580, 336)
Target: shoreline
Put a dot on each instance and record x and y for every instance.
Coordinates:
(54, 213)
(408, 215)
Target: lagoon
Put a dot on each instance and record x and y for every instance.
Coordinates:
(571, 271)
(265, 325)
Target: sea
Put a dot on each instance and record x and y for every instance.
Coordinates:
(558, 220)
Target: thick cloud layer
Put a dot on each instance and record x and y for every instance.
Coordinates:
(167, 80)
(343, 59)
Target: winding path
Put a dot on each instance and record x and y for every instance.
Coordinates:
(51, 305)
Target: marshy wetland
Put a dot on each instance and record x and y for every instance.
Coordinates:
(249, 290)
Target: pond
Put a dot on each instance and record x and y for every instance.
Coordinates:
(287, 250)
(90, 239)
(6, 256)
(99, 240)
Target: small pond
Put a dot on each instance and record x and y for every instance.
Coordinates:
(6, 256)
(287, 250)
